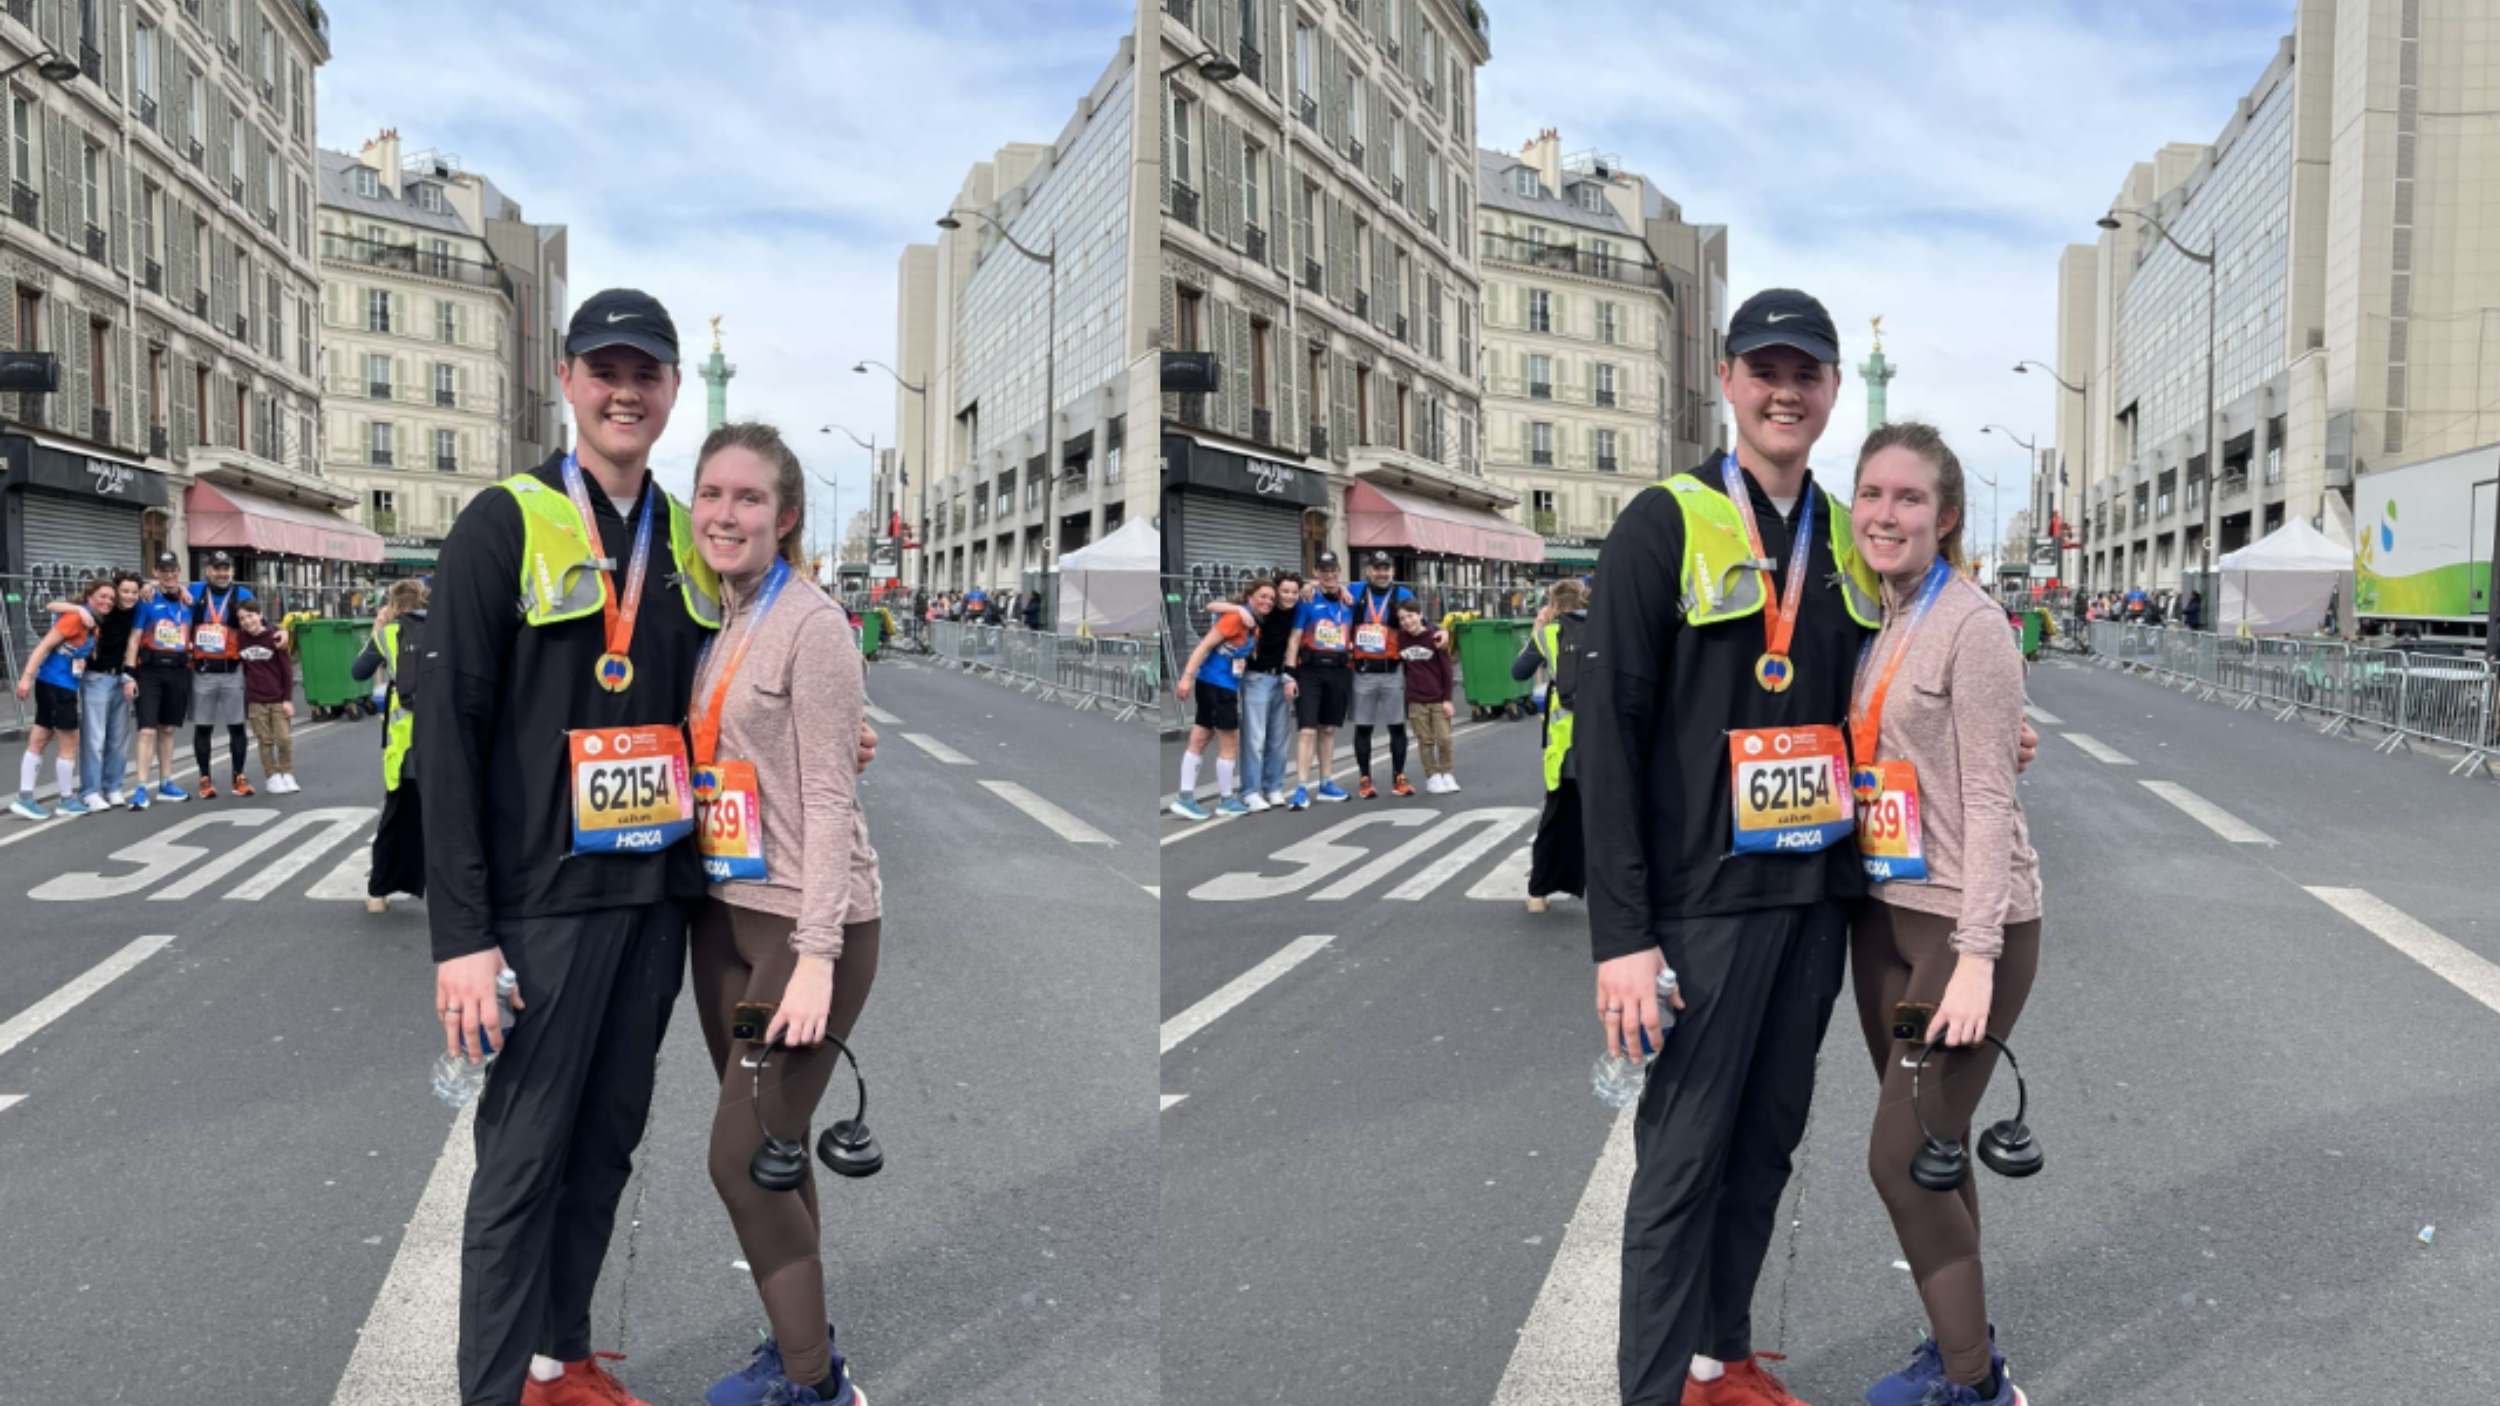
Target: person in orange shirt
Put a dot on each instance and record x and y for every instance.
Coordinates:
(1214, 673)
(51, 678)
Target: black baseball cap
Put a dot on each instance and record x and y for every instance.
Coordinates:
(1784, 317)
(168, 559)
(623, 317)
(1327, 561)
(1379, 559)
(220, 558)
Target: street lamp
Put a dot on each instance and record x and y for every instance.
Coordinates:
(869, 444)
(1212, 66)
(1996, 524)
(2213, 290)
(1049, 260)
(51, 63)
(2024, 367)
(925, 469)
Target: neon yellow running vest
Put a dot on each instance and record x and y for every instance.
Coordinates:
(558, 580)
(1718, 578)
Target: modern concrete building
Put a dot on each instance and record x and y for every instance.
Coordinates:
(2347, 204)
(1024, 436)
(1318, 258)
(423, 332)
(159, 245)
(1594, 341)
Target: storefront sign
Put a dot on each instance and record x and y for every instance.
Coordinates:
(1194, 465)
(42, 466)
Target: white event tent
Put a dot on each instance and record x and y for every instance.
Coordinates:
(2283, 584)
(1114, 586)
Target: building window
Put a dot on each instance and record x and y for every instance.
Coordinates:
(1523, 181)
(443, 393)
(1606, 462)
(378, 443)
(377, 310)
(438, 257)
(1605, 384)
(1355, 103)
(447, 451)
(1592, 197)
(1180, 141)
(429, 197)
(295, 88)
(91, 179)
(367, 182)
(268, 57)
(1187, 318)
(1251, 155)
(303, 220)
(1541, 444)
(445, 328)
(143, 54)
(1540, 310)
(1303, 44)
(1609, 329)
(149, 195)
(1540, 378)
(385, 507)
(199, 106)
(22, 149)
(378, 376)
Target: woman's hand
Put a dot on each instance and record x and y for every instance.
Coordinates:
(867, 745)
(2025, 748)
(1962, 1016)
(805, 1002)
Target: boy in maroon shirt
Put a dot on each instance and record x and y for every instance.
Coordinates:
(1429, 708)
(268, 699)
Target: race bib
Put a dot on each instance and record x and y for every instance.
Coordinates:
(1241, 665)
(1790, 787)
(1889, 844)
(208, 639)
(729, 822)
(1371, 639)
(1327, 634)
(629, 789)
(167, 636)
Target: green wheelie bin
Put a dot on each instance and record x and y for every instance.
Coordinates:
(325, 653)
(1485, 649)
(871, 631)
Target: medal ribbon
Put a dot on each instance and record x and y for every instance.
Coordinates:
(620, 619)
(1868, 724)
(1779, 625)
(707, 722)
(216, 612)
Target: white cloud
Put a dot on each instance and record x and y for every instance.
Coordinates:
(762, 163)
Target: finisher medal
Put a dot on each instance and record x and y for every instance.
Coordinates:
(1774, 672)
(616, 672)
(1868, 783)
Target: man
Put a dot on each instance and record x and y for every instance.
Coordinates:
(1697, 654)
(569, 611)
(1317, 678)
(158, 661)
(217, 671)
(1379, 675)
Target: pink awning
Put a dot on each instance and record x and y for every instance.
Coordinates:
(230, 517)
(1386, 517)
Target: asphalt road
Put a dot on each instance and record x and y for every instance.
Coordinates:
(2260, 1067)
(223, 1177)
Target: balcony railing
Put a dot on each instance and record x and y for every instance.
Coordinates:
(1401, 327)
(1362, 303)
(199, 302)
(446, 464)
(1319, 441)
(160, 442)
(378, 390)
(1569, 258)
(242, 327)
(1607, 464)
(30, 411)
(152, 276)
(447, 399)
(1397, 189)
(406, 258)
(385, 521)
(147, 110)
(1257, 242)
(1250, 63)
(1605, 396)
(1542, 458)
(25, 203)
(199, 155)
(1354, 150)
(1185, 205)
(1310, 112)
(379, 458)
(234, 188)
(90, 62)
(1311, 273)
(1193, 409)
(1181, 10)
(99, 424)
(23, 11)
(1544, 524)
(1540, 390)
(1263, 424)
(95, 242)
(1393, 51)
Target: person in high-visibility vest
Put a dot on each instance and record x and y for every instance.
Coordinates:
(393, 652)
(1558, 861)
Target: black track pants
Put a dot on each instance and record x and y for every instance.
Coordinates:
(557, 1126)
(1724, 1109)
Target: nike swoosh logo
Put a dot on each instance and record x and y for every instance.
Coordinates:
(1775, 317)
(1908, 1063)
(622, 316)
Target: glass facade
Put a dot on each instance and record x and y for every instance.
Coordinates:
(2161, 331)
(1002, 320)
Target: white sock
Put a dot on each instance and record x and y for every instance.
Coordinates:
(1223, 777)
(1189, 773)
(1707, 1369)
(27, 770)
(65, 771)
(545, 1369)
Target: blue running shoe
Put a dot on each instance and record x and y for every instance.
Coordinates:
(1944, 1391)
(25, 809)
(1187, 809)
(139, 799)
(782, 1393)
(762, 1377)
(1301, 799)
(70, 805)
(1328, 791)
(1910, 1385)
(168, 791)
(1231, 806)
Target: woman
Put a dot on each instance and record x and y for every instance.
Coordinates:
(1266, 713)
(390, 650)
(792, 921)
(1953, 922)
(1558, 861)
(1215, 671)
(52, 677)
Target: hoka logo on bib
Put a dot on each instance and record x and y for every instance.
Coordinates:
(1878, 869)
(1796, 839)
(639, 839)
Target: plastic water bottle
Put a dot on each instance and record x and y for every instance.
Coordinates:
(458, 1082)
(1617, 1080)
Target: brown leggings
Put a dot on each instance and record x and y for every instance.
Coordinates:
(744, 955)
(1895, 955)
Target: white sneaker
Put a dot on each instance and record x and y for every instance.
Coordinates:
(286, 782)
(116, 799)
(1449, 781)
(1253, 802)
(1276, 798)
(95, 800)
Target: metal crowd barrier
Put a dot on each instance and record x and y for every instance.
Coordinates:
(1115, 673)
(2406, 697)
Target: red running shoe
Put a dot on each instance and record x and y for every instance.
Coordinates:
(1401, 787)
(1744, 1384)
(242, 785)
(207, 791)
(1368, 791)
(584, 1383)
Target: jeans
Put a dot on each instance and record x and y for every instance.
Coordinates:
(1266, 731)
(103, 733)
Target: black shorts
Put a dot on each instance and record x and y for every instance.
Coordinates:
(1218, 708)
(1327, 692)
(56, 708)
(164, 696)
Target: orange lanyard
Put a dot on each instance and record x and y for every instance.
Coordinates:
(707, 722)
(1868, 725)
(1774, 671)
(615, 669)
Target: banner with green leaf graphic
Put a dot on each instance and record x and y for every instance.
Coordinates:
(2424, 537)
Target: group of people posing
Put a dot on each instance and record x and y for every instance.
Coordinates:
(1290, 660)
(132, 657)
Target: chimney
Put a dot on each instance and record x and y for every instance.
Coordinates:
(382, 154)
(1545, 154)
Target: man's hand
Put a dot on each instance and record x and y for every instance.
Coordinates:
(1181, 690)
(867, 745)
(1627, 1001)
(24, 687)
(1449, 709)
(2025, 749)
(130, 687)
(464, 997)
(290, 707)
(1292, 688)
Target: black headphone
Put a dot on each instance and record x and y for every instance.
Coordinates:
(2008, 1148)
(847, 1148)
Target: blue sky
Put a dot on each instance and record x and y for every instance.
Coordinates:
(1926, 161)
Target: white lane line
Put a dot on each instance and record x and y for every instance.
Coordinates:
(2043, 716)
(1507, 882)
(38, 827)
(880, 715)
(937, 749)
(1155, 889)
(404, 1351)
(61, 1002)
(1566, 1348)
(1240, 989)
(2211, 816)
(347, 879)
(2454, 964)
(9, 1101)
(2098, 750)
(1168, 1101)
(322, 828)
(1059, 822)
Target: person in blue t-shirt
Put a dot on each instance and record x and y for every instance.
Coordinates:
(159, 663)
(1214, 673)
(52, 676)
(1318, 679)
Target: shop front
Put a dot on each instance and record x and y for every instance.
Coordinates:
(1455, 556)
(305, 557)
(70, 512)
(407, 558)
(1568, 556)
(1228, 515)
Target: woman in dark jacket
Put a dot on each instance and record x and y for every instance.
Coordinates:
(399, 844)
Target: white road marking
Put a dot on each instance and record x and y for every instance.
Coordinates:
(1495, 825)
(1319, 855)
(61, 1002)
(9, 1101)
(1155, 889)
(1347, 770)
(322, 828)
(1508, 881)
(405, 1350)
(157, 856)
(1566, 1350)
(1240, 989)
(880, 715)
(2043, 716)
(2463, 969)
(1168, 1101)
(1059, 822)
(937, 749)
(347, 879)
(2211, 816)
(2098, 750)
